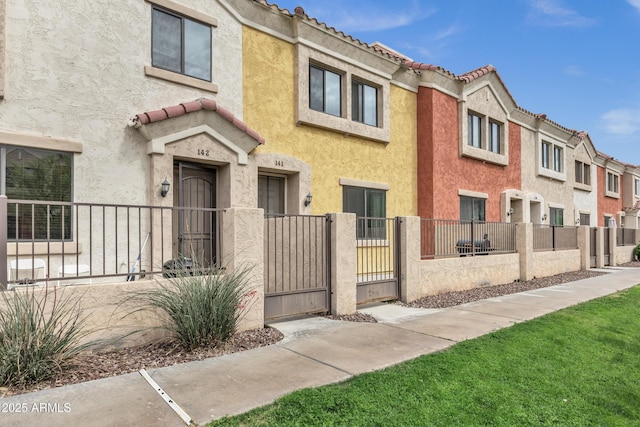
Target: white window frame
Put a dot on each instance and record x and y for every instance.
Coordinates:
(551, 157)
(612, 179)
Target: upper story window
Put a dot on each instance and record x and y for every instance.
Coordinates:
(474, 130)
(495, 130)
(551, 158)
(180, 44)
(338, 93)
(558, 161)
(472, 209)
(37, 175)
(325, 91)
(546, 155)
(364, 99)
(613, 184)
(583, 173)
(636, 187)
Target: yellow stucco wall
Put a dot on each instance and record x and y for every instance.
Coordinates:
(269, 108)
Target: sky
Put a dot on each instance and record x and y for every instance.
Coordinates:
(577, 61)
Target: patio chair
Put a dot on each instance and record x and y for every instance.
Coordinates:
(79, 272)
(28, 271)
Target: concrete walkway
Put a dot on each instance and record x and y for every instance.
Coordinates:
(314, 352)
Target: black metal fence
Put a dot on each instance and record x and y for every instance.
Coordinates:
(450, 238)
(554, 237)
(79, 242)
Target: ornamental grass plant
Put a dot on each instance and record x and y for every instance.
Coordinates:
(40, 333)
(200, 309)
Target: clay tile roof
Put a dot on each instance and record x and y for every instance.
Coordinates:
(190, 107)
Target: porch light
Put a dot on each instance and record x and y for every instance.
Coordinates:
(577, 221)
(544, 217)
(510, 212)
(307, 200)
(165, 188)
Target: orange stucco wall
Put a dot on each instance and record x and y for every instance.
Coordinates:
(606, 205)
(442, 171)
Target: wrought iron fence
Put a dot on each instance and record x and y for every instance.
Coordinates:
(554, 237)
(376, 250)
(80, 242)
(442, 238)
(625, 237)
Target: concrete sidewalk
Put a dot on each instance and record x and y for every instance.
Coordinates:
(314, 352)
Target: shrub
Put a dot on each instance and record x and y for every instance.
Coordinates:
(200, 310)
(636, 252)
(40, 333)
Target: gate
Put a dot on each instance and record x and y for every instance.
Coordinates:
(378, 259)
(296, 265)
(593, 233)
(607, 246)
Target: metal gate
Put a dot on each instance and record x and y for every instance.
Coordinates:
(593, 233)
(607, 246)
(378, 252)
(296, 265)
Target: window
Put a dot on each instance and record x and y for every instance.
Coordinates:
(472, 209)
(474, 129)
(613, 183)
(180, 44)
(556, 216)
(585, 219)
(364, 101)
(583, 173)
(325, 88)
(494, 137)
(557, 158)
(38, 175)
(271, 194)
(370, 206)
(636, 187)
(546, 155)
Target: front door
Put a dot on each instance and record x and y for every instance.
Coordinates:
(195, 232)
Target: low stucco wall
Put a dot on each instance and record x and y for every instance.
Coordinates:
(624, 254)
(115, 321)
(463, 273)
(550, 263)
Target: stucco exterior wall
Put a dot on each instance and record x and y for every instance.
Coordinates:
(269, 102)
(624, 254)
(443, 172)
(76, 78)
(549, 263)
(607, 205)
(459, 274)
(584, 201)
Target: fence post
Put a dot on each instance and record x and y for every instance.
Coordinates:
(3, 243)
(584, 247)
(524, 246)
(613, 246)
(243, 247)
(344, 270)
(410, 250)
(600, 247)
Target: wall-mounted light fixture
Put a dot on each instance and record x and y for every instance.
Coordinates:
(307, 200)
(510, 212)
(165, 188)
(544, 217)
(577, 221)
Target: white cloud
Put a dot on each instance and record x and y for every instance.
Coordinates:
(634, 3)
(553, 13)
(363, 16)
(573, 71)
(623, 121)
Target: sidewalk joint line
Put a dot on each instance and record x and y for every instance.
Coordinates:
(320, 361)
(172, 404)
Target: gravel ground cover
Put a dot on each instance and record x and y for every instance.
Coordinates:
(101, 365)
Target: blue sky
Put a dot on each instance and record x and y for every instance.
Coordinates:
(577, 61)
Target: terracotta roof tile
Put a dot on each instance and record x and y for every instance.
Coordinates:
(190, 107)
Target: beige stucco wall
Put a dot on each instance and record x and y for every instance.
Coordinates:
(459, 274)
(624, 254)
(73, 77)
(549, 263)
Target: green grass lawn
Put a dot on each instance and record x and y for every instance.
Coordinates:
(576, 367)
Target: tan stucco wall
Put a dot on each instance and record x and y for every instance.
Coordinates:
(624, 254)
(549, 263)
(269, 102)
(459, 274)
(66, 85)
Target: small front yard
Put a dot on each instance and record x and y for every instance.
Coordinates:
(578, 366)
